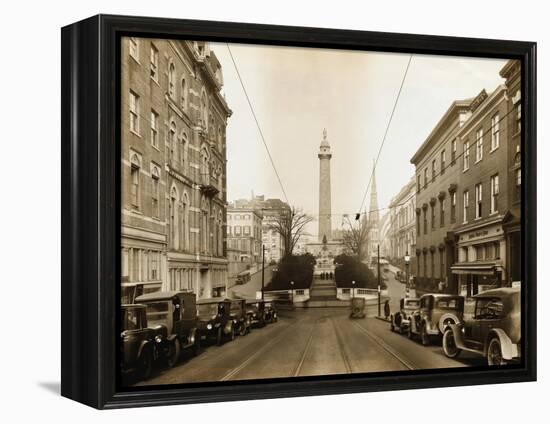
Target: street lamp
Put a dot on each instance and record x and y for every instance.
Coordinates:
(292, 293)
(407, 261)
(353, 290)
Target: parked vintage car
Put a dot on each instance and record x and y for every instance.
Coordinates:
(271, 314)
(400, 320)
(357, 307)
(137, 342)
(493, 330)
(175, 314)
(240, 318)
(256, 312)
(436, 311)
(215, 321)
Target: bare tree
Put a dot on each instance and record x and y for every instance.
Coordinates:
(290, 225)
(355, 236)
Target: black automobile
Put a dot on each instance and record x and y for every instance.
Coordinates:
(214, 320)
(256, 312)
(241, 321)
(270, 312)
(173, 313)
(137, 342)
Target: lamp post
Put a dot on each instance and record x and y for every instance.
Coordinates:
(353, 289)
(263, 266)
(292, 293)
(407, 284)
(379, 285)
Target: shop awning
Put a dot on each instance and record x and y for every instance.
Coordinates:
(476, 269)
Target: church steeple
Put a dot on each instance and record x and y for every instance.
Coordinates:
(374, 215)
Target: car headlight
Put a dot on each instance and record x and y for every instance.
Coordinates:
(254, 315)
(209, 326)
(158, 338)
(234, 321)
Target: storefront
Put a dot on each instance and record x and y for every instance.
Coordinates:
(481, 261)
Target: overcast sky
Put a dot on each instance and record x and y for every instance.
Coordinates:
(296, 92)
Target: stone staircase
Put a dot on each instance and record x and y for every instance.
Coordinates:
(322, 294)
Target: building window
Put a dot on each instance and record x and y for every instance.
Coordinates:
(183, 94)
(154, 129)
(154, 62)
(479, 200)
(442, 212)
(442, 162)
(134, 176)
(494, 193)
(171, 80)
(495, 132)
(479, 145)
(453, 152)
(418, 183)
(518, 117)
(246, 230)
(238, 230)
(155, 193)
(453, 207)
(154, 266)
(433, 170)
(425, 177)
(466, 204)
(134, 112)
(418, 226)
(466, 156)
(433, 216)
(134, 48)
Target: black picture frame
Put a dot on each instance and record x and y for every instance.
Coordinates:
(91, 208)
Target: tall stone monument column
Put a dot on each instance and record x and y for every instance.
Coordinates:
(324, 156)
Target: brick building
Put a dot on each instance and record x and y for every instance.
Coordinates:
(173, 167)
(467, 215)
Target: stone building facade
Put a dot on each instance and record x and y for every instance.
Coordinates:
(173, 167)
(466, 180)
(244, 233)
(402, 226)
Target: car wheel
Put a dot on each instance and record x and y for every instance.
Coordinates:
(494, 353)
(449, 345)
(392, 327)
(410, 333)
(219, 337)
(145, 367)
(173, 354)
(424, 337)
(232, 333)
(242, 329)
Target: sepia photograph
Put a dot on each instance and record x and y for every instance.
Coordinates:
(293, 212)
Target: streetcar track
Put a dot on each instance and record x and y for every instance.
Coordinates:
(306, 350)
(384, 346)
(345, 357)
(257, 353)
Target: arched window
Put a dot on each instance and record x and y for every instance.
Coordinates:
(135, 180)
(183, 94)
(173, 221)
(172, 80)
(185, 151)
(155, 192)
(205, 167)
(204, 225)
(185, 221)
(172, 140)
(204, 109)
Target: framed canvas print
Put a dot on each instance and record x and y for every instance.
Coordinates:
(255, 211)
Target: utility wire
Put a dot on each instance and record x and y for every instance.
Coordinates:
(386, 132)
(257, 123)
